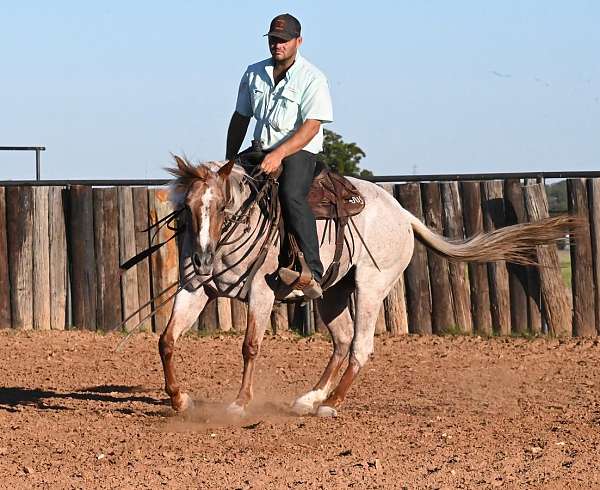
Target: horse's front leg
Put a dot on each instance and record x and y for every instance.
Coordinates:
(260, 305)
(186, 309)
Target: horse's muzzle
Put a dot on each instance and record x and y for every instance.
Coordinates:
(203, 262)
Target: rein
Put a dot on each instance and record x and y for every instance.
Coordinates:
(231, 224)
(267, 195)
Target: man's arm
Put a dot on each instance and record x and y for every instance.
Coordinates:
(236, 134)
(295, 143)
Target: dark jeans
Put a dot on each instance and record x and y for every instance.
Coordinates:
(294, 184)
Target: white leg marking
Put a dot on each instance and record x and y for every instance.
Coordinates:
(305, 404)
(186, 404)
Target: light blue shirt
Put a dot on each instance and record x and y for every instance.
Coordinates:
(280, 110)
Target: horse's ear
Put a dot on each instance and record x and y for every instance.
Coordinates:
(180, 163)
(225, 170)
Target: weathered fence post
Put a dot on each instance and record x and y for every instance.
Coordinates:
(106, 227)
(83, 259)
(453, 226)
(279, 319)
(416, 274)
(208, 321)
(557, 300)
(239, 315)
(517, 274)
(584, 318)
(442, 314)
(224, 314)
(127, 249)
(58, 259)
(480, 289)
(594, 193)
(5, 320)
(380, 322)
(534, 296)
(165, 271)
(41, 260)
(494, 218)
(19, 231)
(140, 212)
(395, 302)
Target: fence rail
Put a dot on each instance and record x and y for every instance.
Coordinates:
(380, 179)
(60, 247)
(36, 149)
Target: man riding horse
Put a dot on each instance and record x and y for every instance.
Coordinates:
(289, 98)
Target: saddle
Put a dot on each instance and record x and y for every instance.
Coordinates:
(333, 196)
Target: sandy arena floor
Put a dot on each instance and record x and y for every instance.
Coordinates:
(426, 413)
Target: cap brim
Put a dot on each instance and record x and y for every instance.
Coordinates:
(280, 35)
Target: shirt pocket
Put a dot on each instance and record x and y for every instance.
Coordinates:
(286, 109)
(257, 97)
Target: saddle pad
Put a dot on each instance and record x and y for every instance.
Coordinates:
(333, 196)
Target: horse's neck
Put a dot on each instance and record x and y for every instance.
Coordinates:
(245, 243)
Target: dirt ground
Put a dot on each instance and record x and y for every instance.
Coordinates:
(426, 413)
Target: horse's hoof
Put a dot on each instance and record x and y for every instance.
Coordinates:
(236, 410)
(183, 403)
(325, 411)
(302, 407)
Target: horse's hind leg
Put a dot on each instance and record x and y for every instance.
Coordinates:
(334, 311)
(368, 302)
(186, 309)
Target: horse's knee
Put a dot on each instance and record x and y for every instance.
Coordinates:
(166, 345)
(250, 349)
(361, 354)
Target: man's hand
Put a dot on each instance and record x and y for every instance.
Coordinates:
(294, 143)
(271, 162)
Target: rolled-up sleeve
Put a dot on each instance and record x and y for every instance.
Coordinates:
(316, 101)
(243, 104)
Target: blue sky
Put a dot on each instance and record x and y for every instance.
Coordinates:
(431, 86)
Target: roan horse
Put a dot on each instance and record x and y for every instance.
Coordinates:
(212, 195)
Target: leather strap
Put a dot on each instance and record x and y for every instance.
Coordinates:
(334, 268)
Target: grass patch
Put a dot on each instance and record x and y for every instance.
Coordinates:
(564, 258)
(454, 331)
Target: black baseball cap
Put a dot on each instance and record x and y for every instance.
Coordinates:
(284, 26)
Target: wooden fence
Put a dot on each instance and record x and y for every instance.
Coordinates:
(60, 248)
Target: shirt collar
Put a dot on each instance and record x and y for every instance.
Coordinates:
(270, 65)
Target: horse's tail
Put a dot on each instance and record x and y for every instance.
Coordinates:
(514, 243)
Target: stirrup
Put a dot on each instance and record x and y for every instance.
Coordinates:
(291, 278)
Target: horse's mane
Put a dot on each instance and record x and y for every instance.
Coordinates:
(186, 173)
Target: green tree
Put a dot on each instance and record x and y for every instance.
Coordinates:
(557, 197)
(341, 156)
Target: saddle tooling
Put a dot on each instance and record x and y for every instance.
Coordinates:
(331, 197)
